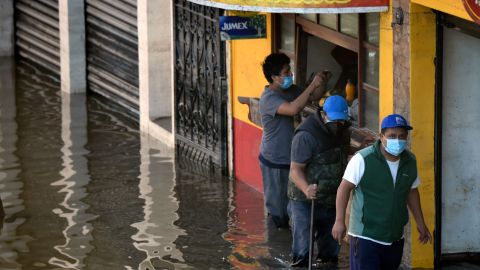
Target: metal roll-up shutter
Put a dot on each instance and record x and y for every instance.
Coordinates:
(37, 32)
(112, 50)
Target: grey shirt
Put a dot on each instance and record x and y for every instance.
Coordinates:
(304, 145)
(277, 129)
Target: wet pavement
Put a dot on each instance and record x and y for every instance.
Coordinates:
(83, 189)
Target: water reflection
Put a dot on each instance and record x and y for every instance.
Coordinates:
(113, 165)
(83, 189)
(10, 186)
(77, 232)
(256, 244)
(157, 232)
(203, 211)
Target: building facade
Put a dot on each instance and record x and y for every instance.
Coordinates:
(419, 58)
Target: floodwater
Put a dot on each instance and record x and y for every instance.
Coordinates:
(83, 189)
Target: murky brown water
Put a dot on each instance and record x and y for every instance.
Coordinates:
(83, 189)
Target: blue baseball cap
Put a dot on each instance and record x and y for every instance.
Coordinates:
(394, 121)
(336, 108)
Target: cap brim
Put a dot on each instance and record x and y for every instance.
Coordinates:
(405, 127)
(335, 116)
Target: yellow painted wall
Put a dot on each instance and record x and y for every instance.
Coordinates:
(386, 64)
(246, 69)
(453, 7)
(422, 114)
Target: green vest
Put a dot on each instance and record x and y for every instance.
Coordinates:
(379, 208)
(324, 169)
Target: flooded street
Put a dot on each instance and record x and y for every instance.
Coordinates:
(83, 189)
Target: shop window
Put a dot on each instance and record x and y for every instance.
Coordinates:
(370, 109)
(345, 44)
(372, 28)
(371, 67)
(329, 20)
(287, 36)
(349, 24)
(310, 17)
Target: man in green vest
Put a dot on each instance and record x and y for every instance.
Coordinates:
(384, 181)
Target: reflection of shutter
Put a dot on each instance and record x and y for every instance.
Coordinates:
(37, 32)
(112, 50)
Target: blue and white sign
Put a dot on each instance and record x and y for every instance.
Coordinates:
(236, 27)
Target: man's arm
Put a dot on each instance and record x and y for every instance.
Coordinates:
(343, 194)
(413, 203)
(360, 139)
(320, 91)
(297, 171)
(295, 106)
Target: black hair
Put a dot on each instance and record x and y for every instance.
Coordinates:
(273, 65)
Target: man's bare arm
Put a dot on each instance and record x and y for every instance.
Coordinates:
(343, 194)
(297, 171)
(413, 203)
(297, 105)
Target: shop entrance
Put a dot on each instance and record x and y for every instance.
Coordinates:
(321, 55)
(458, 178)
(347, 45)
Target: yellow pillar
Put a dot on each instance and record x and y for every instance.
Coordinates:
(422, 114)
(386, 64)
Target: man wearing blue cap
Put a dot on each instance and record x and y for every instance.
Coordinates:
(384, 181)
(319, 157)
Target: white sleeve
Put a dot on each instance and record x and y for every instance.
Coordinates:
(416, 183)
(355, 169)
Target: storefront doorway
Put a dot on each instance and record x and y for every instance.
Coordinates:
(345, 44)
(458, 130)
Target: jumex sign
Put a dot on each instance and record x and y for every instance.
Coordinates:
(236, 27)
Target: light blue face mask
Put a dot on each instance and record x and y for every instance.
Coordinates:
(287, 82)
(395, 146)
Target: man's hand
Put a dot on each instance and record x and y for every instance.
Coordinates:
(339, 230)
(368, 140)
(311, 192)
(424, 234)
(317, 80)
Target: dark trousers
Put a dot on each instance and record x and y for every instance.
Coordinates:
(324, 219)
(368, 255)
(275, 183)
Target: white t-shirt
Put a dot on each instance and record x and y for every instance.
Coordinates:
(356, 168)
(354, 173)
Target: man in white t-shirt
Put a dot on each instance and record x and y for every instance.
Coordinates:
(384, 181)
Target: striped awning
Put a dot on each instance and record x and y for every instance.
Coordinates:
(299, 6)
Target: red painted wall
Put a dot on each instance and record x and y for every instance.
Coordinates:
(246, 146)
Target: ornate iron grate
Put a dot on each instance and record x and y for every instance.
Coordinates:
(200, 88)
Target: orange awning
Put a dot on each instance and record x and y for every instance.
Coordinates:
(299, 6)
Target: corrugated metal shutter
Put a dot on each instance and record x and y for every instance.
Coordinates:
(112, 50)
(37, 32)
